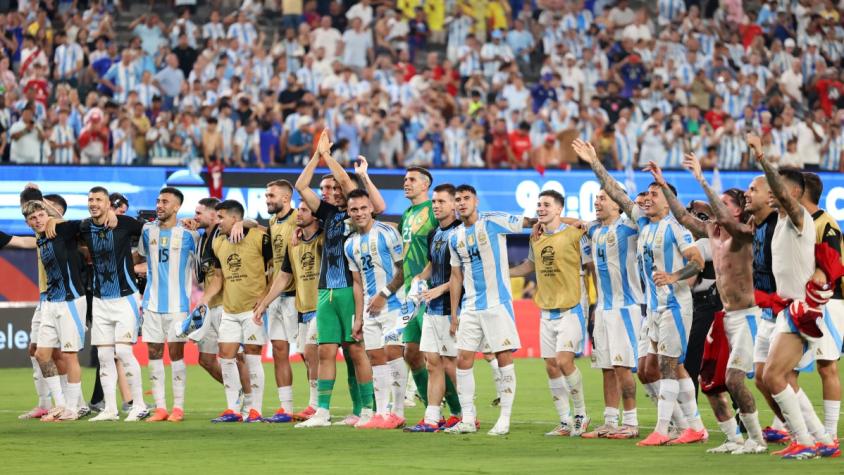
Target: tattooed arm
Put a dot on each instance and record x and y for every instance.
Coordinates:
(722, 214)
(775, 181)
(689, 221)
(586, 152)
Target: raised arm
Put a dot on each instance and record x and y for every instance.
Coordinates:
(586, 152)
(303, 183)
(361, 168)
(690, 222)
(775, 181)
(722, 214)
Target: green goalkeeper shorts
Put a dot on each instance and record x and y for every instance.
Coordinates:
(335, 315)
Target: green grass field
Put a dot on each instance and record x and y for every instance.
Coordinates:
(197, 446)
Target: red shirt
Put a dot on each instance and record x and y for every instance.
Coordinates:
(215, 179)
(715, 118)
(498, 146)
(749, 32)
(520, 146)
(824, 88)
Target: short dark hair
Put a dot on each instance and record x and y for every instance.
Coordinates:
(794, 176)
(231, 206)
(464, 188)
(446, 188)
(357, 193)
(669, 185)
(555, 195)
(98, 189)
(173, 191)
(814, 186)
(282, 183)
(641, 193)
(57, 200)
(209, 202)
(30, 194)
(424, 172)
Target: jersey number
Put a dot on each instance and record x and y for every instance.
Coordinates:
(163, 255)
(366, 262)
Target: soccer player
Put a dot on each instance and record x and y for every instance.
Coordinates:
(336, 303)
(436, 342)
(115, 312)
(479, 265)
(283, 318)
(555, 257)
(664, 245)
(239, 273)
(731, 244)
(619, 306)
(793, 248)
(829, 348)
(374, 252)
(301, 266)
(62, 310)
(170, 251)
(206, 218)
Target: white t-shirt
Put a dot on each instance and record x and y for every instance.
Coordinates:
(355, 47)
(26, 149)
(793, 256)
(326, 38)
(809, 149)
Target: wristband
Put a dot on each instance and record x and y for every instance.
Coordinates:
(385, 292)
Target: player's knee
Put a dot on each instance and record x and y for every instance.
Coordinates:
(206, 360)
(124, 354)
(44, 355)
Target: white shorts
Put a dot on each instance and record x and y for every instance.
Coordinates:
(163, 327)
(670, 330)
(376, 329)
(283, 319)
(785, 325)
(62, 325)
(600, 342)
(741, 327)
(622, 327)
(495, 326)
(829, 348)
(645, 343)
(211, 331)
(307, 334)
(36, 324)
(239, 328)
(115, 320)
(561, 330)
(764, 336)
(436, 336)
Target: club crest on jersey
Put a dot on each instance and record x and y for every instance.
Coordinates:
(364, 247)
(611, 239)
(470, 240)
(482, 238)
(164, 241)
(234, 262)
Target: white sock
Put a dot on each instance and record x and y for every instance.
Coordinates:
(72, 396)
(108, 377)
(611, 416)
(231, 382)
(652, 390)
(381, 384)
(55, 385)
(41, 387)
(433, 414)
(813, 423)
(63, 381)
(156, 378)
(81, 402)
(790, 407)
(285, 398)
(178, 377)
(246, 402)
(466, 394)
(730, 430)
(398, 375)
(560, 395)
(256, 378)
(754, 428)
(688, 403)
(630, 418)
(575, 384)
(668, 391)
(831, 410)
(496, 376)
(133, 374)
(778, 424)
(313, 401)
(508, 392)
(410, 386)
(679, 419)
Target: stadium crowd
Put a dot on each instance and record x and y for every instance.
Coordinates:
(455, 83)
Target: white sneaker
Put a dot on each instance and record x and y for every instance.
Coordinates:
(499, 429)
(581, 425)
(461, 428)
(321, 418)
(105, 416)
(409, 402)
(137, 413)
(365, 416)
(562, 430)
(58, 414)
(727, 447)
(83, 411)
(751, 447)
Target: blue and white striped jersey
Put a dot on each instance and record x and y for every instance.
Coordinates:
(625, 148)
(171, 256)
(125, 77)
(480, 250)
(832, 158)
(66, 58)
(374, 255)
(661, 245)
(614, 248)
(62, 135)
(730, 150)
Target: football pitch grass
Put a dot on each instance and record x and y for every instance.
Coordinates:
(198, 446)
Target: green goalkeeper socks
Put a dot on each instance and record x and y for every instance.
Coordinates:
(451, 397)
(354, 388)
(324, 389)
(420, 377)
(367, 395)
